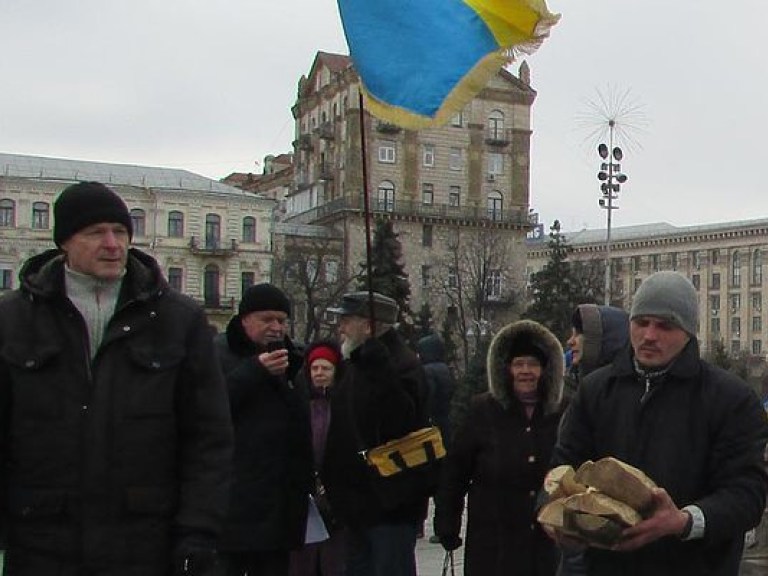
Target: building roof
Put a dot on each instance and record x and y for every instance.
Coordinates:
(66, 170)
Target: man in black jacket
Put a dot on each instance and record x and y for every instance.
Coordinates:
(115, 436)
(272, 472)
(698, 431)
(380, 398)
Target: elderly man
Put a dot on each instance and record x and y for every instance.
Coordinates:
(696, 430)
(379, 398)
(115, 436)
(272, 472)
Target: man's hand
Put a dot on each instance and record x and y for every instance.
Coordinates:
(666, 520)
(276, 363)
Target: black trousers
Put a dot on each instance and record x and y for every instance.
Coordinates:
(261, 563)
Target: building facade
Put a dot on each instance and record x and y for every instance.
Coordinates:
(442, 188)
(724, 262)
(211, 240)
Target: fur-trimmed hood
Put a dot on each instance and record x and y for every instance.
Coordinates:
(498, 373)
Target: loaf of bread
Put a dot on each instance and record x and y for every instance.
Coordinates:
(619, 480)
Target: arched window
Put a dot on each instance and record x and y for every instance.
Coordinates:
(496, 125)
(211, 286)
(175, 224)
(249, 229)
(212, 230)
(757, 267)
(385, 201)
(138, 221)
(40, 215)
(495, 205)
(736, 270)
(7, 213)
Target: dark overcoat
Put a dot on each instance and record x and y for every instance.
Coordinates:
(108, 464)
(499, 459)
(272, 465)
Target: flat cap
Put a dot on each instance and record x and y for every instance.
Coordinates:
(358, 304)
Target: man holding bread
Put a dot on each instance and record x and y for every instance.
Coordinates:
(695, 430)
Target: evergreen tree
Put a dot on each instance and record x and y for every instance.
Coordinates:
(388, 275)
(558, 288)
(474, 381)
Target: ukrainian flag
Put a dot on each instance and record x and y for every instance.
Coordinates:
(421, 61)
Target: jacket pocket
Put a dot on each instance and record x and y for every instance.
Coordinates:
(36, 380)
(152, 390)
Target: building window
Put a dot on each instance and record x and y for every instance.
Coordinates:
(757, 302)
(247, 279)
(387, 152)
(714, 256)
(757, 347)
(757, 324)
(456, 161)
(696, 259)
(454, 196)
(458, 120)
(495, 164)
(427, 194)
(714, 304)
(453, 278)
(495, 204)
(617, 265)
(735, 347)
(425, 276)
(212, 231)
(655, 263)
(696, 281)
(736, 270)
(331, 271)
(385, 201)
(714, 326)
(493, 284)
(7, 213)
(673, 260)
(638, 281)
(736, 327)
(429, 155)
(175, 276)
(211, 294)
(426, 235)
(496, 125)
(6, 279)
(715, 281)
(636, 263)
(40, 215)
(735, 302)
(757, 268)
(249, 229)
(175, 224)
(138, 221)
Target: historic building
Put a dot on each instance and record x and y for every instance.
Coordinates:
(442, 188)
(211, 239)
(723, 261)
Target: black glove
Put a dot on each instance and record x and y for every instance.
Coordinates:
(196, 562)
(450, 543)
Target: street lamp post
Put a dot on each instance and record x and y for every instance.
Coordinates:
(611, 179)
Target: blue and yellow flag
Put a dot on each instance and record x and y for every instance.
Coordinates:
(421, 61)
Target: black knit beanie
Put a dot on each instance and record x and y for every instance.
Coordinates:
(263, 297)
(83, 204)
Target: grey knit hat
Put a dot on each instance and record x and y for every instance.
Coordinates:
(668, 295)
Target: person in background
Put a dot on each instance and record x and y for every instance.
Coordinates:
(272, 466)
(115, 435)
(376, 401)
(598, 333)
(500, 455)
(322, 370)
(696, 430)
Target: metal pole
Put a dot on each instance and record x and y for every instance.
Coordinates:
(610, 209)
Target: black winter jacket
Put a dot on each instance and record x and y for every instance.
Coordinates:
(110, 463)
(272, 465)
(699, 433)
(375, 401)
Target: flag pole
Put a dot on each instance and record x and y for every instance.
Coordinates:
(366, 211)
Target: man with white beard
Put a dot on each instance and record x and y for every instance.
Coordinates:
(379, 398)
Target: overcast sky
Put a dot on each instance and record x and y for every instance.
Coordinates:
(208, 86)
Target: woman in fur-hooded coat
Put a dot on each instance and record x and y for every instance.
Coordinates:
(499, 458)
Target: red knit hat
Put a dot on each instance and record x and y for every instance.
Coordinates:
(324, 352)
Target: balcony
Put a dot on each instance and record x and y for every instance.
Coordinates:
(215, 303)
(212, 247)
(387, 127)
(325, 171)
(326, 131)
(496, 137)
(304, 142)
